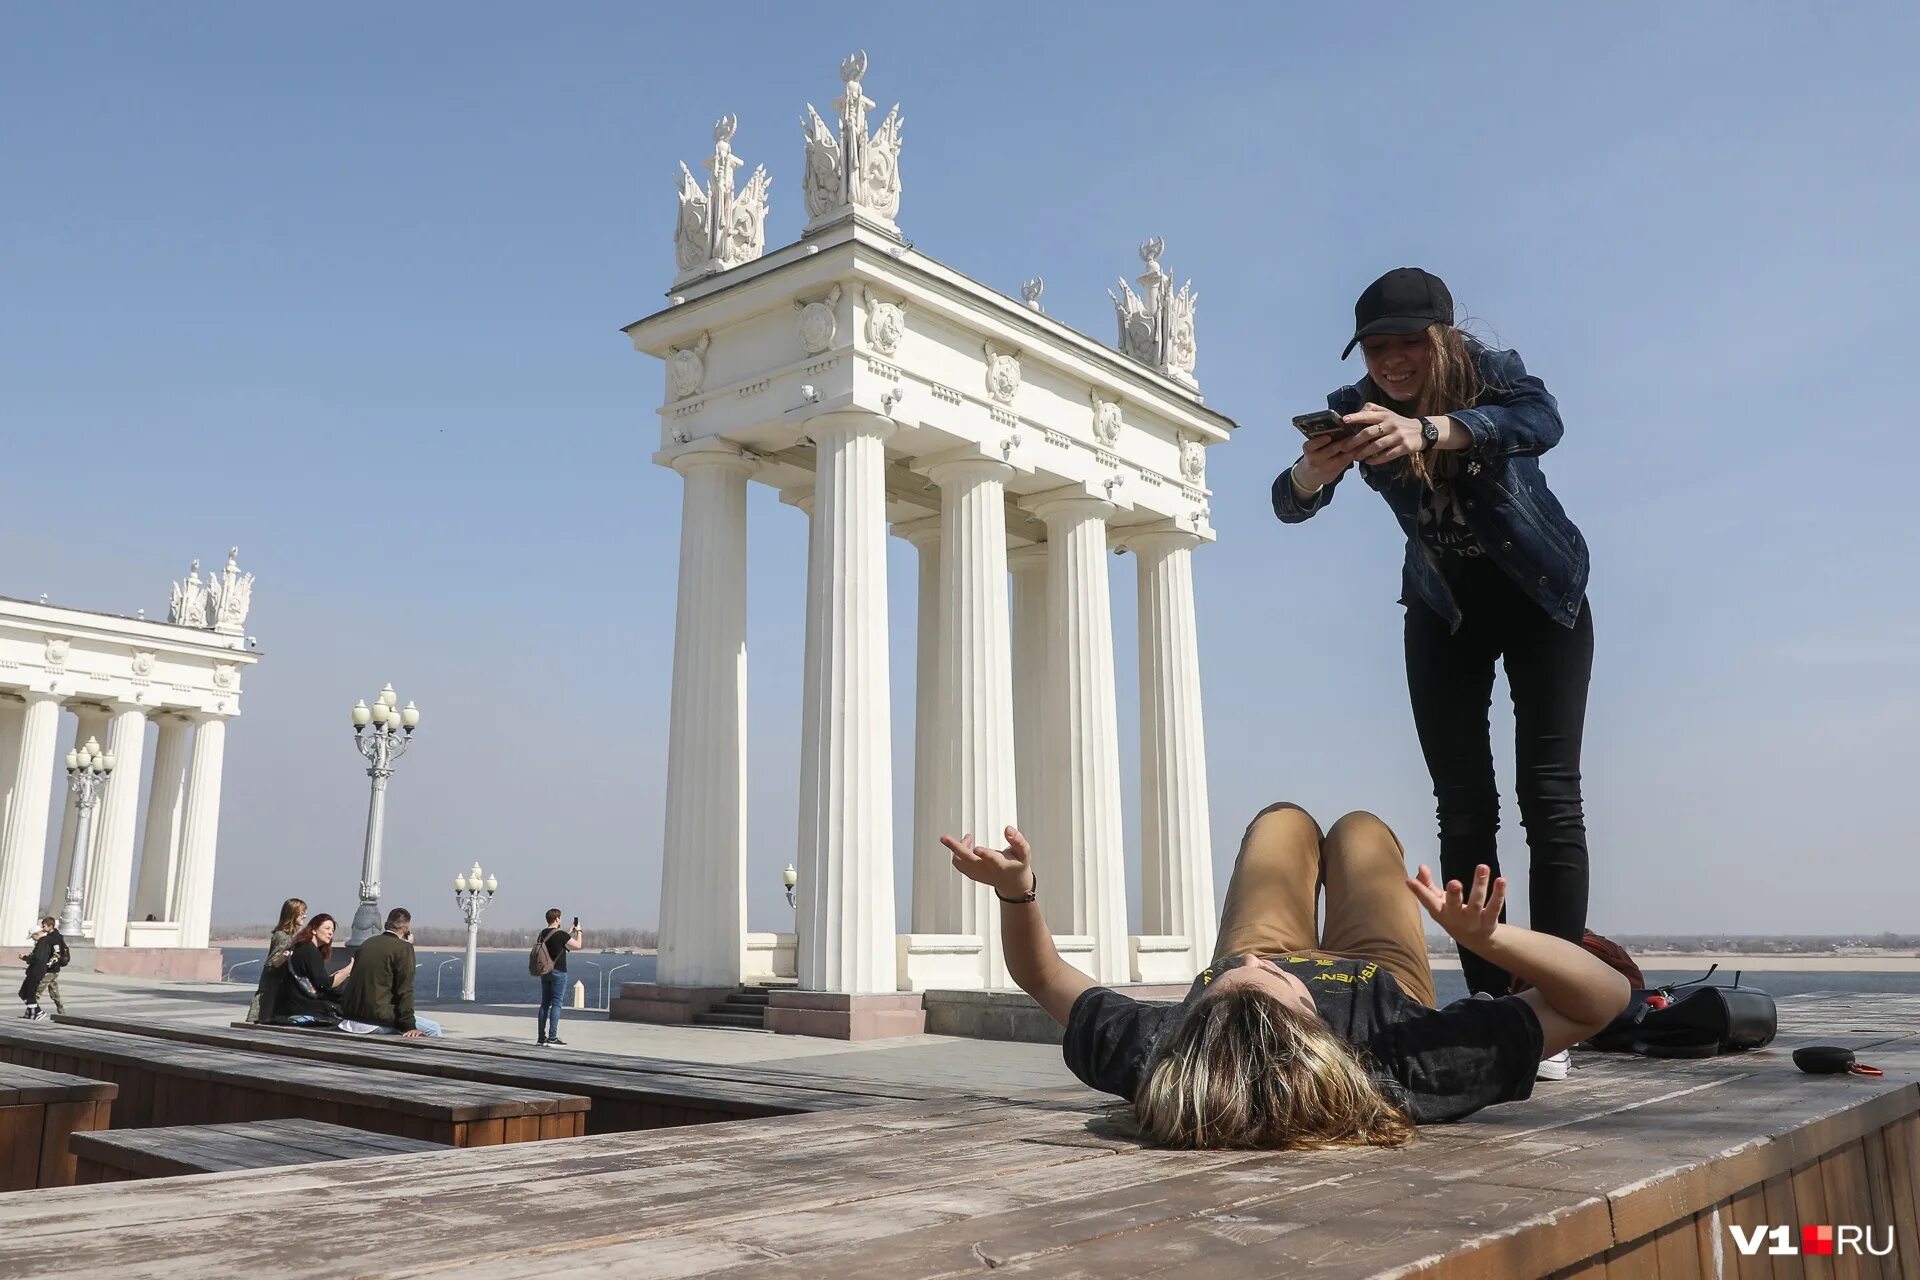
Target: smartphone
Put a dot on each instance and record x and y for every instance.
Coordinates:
(576, 922)
(1324, 423)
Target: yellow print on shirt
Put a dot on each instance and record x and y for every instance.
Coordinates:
(1364, 975)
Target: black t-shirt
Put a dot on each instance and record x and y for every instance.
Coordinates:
(557, 947)
(1443, 522)
(1438, 1064)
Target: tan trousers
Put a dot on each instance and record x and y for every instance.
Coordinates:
(50, 985)
(1371, 915)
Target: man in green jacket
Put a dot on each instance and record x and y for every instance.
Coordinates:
(379, 995)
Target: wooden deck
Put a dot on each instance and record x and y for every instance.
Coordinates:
(126, 1155)
(1633, 1168)
(166, 1083)
(39, 1110)
(626, 1095)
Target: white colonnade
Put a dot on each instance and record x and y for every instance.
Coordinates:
(117, 676)
(879, 390)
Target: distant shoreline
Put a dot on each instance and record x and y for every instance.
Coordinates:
(1773, 962)
(1664, 961)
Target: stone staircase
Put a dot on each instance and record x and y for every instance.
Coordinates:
(745, 1009)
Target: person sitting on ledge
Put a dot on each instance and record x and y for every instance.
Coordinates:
(307, 995)
(379, 1000)
(1302, 1038)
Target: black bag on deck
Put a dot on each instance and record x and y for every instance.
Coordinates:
(1700, 1021)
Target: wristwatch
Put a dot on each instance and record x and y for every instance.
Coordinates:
(1430, 433)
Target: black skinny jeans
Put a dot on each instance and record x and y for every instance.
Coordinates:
(1450, 677)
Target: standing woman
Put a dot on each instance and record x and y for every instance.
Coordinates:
(1450, 432)
(293, 914)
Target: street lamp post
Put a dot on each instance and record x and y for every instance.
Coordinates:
(790, 878)
(472, 891)
(382, 733)
(88, 768)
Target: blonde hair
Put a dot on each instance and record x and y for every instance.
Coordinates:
(1245, 1069)
(290, 912)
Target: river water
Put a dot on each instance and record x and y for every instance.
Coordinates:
(502, 977)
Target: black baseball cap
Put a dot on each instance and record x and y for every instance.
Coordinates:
(1405, 300)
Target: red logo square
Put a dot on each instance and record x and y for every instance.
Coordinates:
(1816, 1240)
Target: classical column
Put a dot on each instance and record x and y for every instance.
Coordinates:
(1085, 714)
(1176, 874)
(1036, 792)
(166, 809)
(976, 682)
(193, 887)
(91, 722)
(109, 884)
(845, 911)
(23, 844)
(934, 909)
(703, 883)
(12, 712)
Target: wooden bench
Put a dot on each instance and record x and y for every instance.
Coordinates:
(1632, 1168)
(38, 1109)
(627, 1093)
(167, 1083)
(125, 1155)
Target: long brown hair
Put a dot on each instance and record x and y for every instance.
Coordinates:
(1245, 1069)
(1453, 383)
(290, 912)
(306, 934)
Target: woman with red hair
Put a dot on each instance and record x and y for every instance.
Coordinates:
(309, 995)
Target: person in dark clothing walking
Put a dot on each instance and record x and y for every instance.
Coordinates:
(553, 983)
(48, 957)
(1450, 432)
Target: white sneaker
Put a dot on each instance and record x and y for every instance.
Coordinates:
(1554, 1067)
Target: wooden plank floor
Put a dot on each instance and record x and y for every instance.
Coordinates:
(122, 1155)
(1632, 1168)
(624, 1098)
(163, 1082)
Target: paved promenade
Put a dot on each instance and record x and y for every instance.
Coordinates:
(928, 1060)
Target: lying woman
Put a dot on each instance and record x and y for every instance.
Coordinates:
(1303, 1037)
(309, 996)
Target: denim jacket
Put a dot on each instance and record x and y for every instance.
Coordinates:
(1504, 496)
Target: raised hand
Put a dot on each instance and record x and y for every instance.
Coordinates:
(1468, 915)
(1006, 871)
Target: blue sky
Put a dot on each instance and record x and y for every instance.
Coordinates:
(345, 289)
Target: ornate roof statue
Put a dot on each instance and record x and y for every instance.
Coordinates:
(232, 595)
(1156, 324)
(852, 175)
(188, 607)
(719, 228)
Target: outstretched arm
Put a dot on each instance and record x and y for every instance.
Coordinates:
(1031, 958)
(1574, 993)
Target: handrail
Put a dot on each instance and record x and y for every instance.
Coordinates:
(606, 984)
(441, 971)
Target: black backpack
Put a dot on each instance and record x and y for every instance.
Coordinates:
(1699, 1021)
